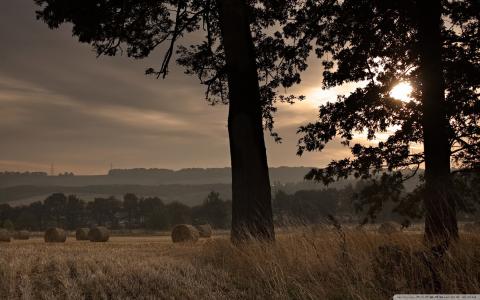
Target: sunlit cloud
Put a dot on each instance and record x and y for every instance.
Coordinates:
(60, 104)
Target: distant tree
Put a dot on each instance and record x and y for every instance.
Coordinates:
(282, 206)
(74, 212)
(158, 219)
(154, 214)
(433, 45)
(8, 225)
(130, 205)
(55, 207)
(345, 198)
(5, 212)
(38, 211)
(214, 211)
(178, 213)
(305, 206)
(467, 185)
(104, 210)
(25, 220)
(239, 48)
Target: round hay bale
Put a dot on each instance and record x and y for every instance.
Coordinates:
(388, 228)
(82, 234)
(21, 235)
(55, 235)
(184, 233)
(472, 227)
(99, 234)
(4, 235)
(205, 230)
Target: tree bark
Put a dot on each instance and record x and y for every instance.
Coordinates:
(440, 206)
(251, 200)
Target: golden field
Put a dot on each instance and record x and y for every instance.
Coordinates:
(304, 263)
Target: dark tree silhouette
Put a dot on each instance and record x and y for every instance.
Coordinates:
(74, 212)
(252, 206)
(305, 206)
(130, 205)
(440, 204)
(179, 213)
(226, 54)
(55, 207)
(104, 210)
(213, 211)
(153, 212)
(431, 44)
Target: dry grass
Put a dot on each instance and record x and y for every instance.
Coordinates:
(302, 264)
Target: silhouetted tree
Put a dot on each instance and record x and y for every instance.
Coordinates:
(440, 203)
(158, 218)
(74, 212)
(153, 212)
(104, 210)
(130, 204)
(178, 213)
(55, 207)
(305, 206)
(8, 224)
(230, 61)
(430, 44)
(5, 212)
(213, 211)
(25, 220)
(38, 210)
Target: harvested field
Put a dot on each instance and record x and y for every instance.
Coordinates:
(300, 265)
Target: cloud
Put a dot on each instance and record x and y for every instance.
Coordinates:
(61, 104)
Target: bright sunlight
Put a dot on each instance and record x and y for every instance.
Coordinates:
(402, 91)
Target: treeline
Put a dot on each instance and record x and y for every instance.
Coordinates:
(9, 173)
(71, 212)
(133, 212)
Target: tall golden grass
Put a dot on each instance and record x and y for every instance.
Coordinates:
(304, 263)
(347, 265)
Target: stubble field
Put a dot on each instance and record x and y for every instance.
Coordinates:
(304, 263)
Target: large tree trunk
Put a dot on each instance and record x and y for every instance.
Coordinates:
(441, 220)
(251, 199)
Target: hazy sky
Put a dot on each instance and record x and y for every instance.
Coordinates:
(60, 104)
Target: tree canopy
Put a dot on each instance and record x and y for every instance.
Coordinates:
(239, 57)
(376, 44)
(138, 28)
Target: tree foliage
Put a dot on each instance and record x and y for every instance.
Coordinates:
(138, 28)
(376, 44)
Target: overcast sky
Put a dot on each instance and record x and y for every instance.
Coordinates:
(60, 104)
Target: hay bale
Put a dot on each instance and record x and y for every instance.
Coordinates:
(184, 233)
(4, 235)
(82, 234)
(21, 235)
(389, 228)
(55, 235)
(99, 234)
(205, 230)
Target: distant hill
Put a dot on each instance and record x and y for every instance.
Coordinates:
(187, 194)
(145, 177)
(189, 186)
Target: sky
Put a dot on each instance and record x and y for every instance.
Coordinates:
(61, 104)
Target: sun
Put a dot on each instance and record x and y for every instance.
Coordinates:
(402, 91)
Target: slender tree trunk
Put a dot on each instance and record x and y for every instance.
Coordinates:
(251, 199)
(441, 220)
